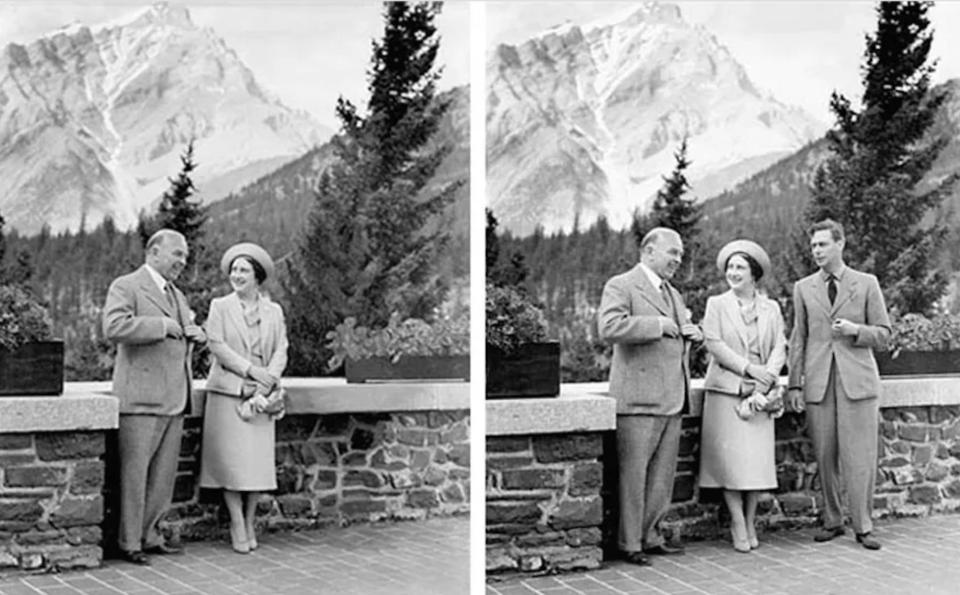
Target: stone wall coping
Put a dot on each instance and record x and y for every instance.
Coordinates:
(81, 407)
(91, 406)
(587, 406)
(579, 408)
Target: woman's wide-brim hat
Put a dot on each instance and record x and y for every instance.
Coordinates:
(247, 249)
(748, 247)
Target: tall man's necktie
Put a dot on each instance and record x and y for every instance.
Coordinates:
(832, 288)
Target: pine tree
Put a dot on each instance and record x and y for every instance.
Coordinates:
(672, 208)
(371, 243)
(178, 212)
(499, 273)
(880, 153)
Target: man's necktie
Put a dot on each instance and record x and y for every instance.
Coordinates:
(665, 291)
(832, 288)
(172, 300)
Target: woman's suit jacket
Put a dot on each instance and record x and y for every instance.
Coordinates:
(229, 342)
(725, 336)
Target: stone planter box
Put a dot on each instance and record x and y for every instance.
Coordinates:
(408, 368)
(533, 370)
(915, 363)
(33, 369)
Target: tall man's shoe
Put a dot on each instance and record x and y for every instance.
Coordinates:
(135, 557)
(827, 533)
(664, 549)
(867, 541)
(638, 558)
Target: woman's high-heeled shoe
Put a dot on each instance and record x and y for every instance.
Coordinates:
(752, 537)
(740, 541)
(238, 539)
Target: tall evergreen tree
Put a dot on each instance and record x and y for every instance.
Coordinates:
(673, 209)
(372, 241)
(880, 153)
(177, 211)
(200, 280)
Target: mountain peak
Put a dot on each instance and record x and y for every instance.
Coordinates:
(99, 116)
(632, 16)
(164, 14)
(584, 119)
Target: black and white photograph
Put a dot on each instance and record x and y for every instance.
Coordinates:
(722, 298)
(234, 297)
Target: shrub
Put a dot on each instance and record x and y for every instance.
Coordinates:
(512, 319)
(915, 332)
(445, 336)
(22, 318)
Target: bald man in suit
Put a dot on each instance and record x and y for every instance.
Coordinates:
(645, 319)
(148, 318)
(839, 319)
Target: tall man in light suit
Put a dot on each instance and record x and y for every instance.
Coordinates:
(149, 320)
(839, 319)
(645, 319)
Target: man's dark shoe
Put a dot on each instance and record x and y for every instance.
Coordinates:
(867, 541)
(638, 558)
(135, 557)
(664, 549)
(827, 533)
(163, 549)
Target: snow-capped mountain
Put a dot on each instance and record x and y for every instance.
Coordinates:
(583, 121)
(93, 120)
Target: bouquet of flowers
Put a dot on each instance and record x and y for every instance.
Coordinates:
(770, 403)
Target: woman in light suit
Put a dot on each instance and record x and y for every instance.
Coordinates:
(744, 334)
(248, 341)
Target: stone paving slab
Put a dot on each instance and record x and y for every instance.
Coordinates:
(416, 557)
(919, 556)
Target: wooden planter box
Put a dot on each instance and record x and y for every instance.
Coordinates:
(33, 369)
(919, 363)
(533, 370)
(409, 368)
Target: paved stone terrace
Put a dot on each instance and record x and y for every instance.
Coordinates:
(416, 557)
(919, 556)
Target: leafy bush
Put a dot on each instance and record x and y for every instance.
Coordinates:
(915, 332)
(445, 336)
(22, 318)
(512, 319)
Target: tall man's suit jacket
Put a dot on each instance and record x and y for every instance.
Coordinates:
(725, 336)
(812, 344)
(229, 342)
(151, 375)
(649, 373)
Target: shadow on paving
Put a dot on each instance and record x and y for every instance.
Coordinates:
(415, 557)
(919, 556)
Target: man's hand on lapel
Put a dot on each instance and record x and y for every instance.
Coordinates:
(844, 328)
(669, 327)
(195, 333)
(691, 332)
(172, 329)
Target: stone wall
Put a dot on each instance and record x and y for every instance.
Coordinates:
(51, 502)
(918, 473)
(544, 509)
(341, 468)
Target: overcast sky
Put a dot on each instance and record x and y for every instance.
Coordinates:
(308, 52)
(799, 51)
